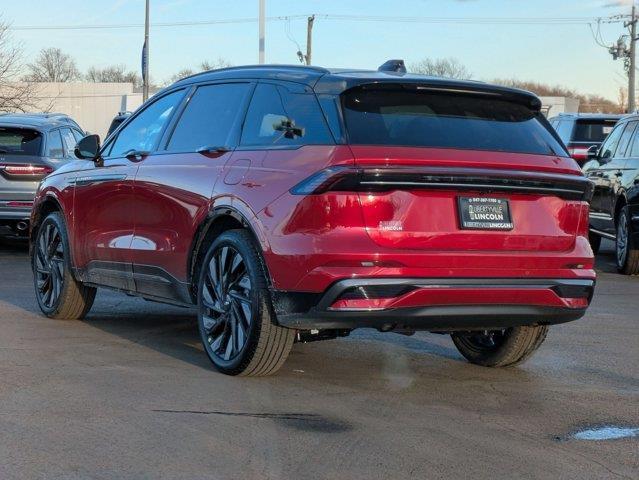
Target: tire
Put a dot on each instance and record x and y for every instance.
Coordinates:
(595, 242)
(500, 348)
(235, 314)
(58, 293)
(626, 254)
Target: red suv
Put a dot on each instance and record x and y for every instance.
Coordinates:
(299, 203)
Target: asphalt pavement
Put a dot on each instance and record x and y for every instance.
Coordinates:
(129, 393)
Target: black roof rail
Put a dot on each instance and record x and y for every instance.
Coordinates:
(396, 66)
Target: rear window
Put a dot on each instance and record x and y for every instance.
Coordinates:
(445, 120)
(592, 130)
(19, 141)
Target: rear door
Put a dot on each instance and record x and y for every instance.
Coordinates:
(605, 167)
(450, 171)
(173, 187)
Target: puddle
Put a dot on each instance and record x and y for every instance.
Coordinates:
(605, 432)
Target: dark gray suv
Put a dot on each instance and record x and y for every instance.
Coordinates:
(31, 146)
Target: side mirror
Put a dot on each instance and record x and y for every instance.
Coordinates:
(88, 148)
(592, 153)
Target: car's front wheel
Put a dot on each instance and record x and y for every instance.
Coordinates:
(58, 293)
(235, 315)
(626, 254)
(500, 348)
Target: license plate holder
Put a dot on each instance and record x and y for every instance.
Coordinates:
(484, 213)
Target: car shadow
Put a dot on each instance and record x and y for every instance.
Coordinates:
(605, 260)
(10, 245)
(163, 328)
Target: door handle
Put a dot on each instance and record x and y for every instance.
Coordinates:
(136, 155)
(213, 150)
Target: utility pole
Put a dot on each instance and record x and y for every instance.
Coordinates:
(628, 53)
(262, 29)
(309, 39)
(632, 62)
(145, 56)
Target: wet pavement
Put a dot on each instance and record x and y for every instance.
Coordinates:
(128, 393)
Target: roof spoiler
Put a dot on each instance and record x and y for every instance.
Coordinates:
(396, 66)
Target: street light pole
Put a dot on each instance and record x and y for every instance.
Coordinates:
(262, 29)
(145, 56)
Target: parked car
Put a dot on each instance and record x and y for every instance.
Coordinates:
(117, 121)
(299, 203)
(581, 132)
(614, 210)
(31, 146)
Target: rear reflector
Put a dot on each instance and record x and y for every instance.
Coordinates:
(25, 170)
(19, 204)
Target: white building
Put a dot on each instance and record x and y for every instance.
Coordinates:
(92, 105)
(552, 106)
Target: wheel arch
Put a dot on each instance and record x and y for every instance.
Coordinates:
(44, 207)
(220, 219)
(621, 202)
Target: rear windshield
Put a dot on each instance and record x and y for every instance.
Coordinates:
(444, 120)
(19, 141)
(592, 130)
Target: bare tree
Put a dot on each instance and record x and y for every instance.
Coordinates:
(441, 67)
(52, 65)
(623, 98)
(185, 72)
(203, 67)
(15, 96)
(590, 103)
(113, 74)
(219, 63)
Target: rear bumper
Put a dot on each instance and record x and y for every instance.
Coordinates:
(436, 304)
(16, 209)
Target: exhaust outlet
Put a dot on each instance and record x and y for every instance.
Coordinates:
(22, 226)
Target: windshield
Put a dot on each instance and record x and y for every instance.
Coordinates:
(445, 120)
(593, 130)
(19, 141)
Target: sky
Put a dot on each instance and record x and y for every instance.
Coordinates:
(565, 55)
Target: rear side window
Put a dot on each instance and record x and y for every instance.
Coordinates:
(54, 145)
(209, 117)
(19, 141)
(445, 120)
(592, 130)
(280, 118)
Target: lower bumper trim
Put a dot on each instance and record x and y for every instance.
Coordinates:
(314, 311)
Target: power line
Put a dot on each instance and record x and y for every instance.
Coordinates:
(353, 18)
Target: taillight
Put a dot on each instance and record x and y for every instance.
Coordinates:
(352, 179)
(578, 153)
(28, 171)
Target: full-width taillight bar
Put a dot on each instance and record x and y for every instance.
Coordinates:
(353, 179)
